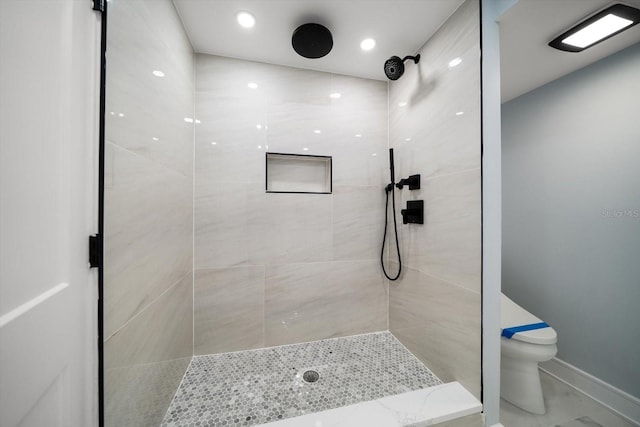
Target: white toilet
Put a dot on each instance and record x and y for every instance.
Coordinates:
(519, 377)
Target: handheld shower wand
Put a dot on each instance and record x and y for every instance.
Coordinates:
(390, 188)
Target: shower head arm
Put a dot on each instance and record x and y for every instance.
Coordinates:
(415, 59)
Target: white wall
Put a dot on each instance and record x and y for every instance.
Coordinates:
(571, 214)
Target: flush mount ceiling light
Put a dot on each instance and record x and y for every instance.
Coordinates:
(599, 27)
(245, 19)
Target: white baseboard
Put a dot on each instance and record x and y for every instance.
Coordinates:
(497, 425)
(613, 398)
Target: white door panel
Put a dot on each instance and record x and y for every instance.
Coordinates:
(34, 358)
(49, 87)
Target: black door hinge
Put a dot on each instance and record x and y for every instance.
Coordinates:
(99, 5)
(95, 243)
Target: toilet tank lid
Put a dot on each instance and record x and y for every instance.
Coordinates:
(513, 316)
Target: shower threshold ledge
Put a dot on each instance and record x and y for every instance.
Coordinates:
(425, 407)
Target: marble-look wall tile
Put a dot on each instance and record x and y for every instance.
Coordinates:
(220, 235)
(306, 302)
(295, 228)
(229, 78)
(440, 323)
(238, 129)
(449, 244)
(146, 359)
(238, 225)
(358, 222)
(148, 233)
(145, 113)
(435, 307)
(163, 331)
(228, 309)
(440, 140)
(361, 152)
(148, 287)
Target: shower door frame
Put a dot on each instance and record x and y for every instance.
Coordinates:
(102, 7)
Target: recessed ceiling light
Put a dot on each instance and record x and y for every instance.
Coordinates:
(120, 115)
(213, 143)
(305, 149)
(374, 154)
(402, 104)
(158, 73)
(188, 119)
(317, 131)
(367, 44)
(407, 139)
(252, 85)
(154, 138)
(245, 19)
(258, 126)
(455, 62)
(597, 28)
(335, 95)
(459, 113)
(358, 135)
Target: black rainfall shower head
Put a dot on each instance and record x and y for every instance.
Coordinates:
(394, 66)
(312, 40)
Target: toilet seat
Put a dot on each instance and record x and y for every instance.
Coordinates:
(514, 315)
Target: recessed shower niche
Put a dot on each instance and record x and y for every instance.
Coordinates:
(298, 173)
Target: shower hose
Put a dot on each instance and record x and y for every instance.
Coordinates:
(390, 189)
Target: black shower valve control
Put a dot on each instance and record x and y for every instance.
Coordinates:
(413, 182)
(414, 214)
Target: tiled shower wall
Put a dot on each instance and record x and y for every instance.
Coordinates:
(148, 296)
(434, 309)
(275, 269)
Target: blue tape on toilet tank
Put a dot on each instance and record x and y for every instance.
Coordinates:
(508, 332)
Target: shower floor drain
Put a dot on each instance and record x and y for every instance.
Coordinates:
(311, 376)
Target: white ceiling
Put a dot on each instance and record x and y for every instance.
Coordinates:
(400, 27)
(525, 29)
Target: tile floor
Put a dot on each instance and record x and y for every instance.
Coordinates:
(566, 407)
(258, 386)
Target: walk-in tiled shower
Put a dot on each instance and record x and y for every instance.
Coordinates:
(219, 294)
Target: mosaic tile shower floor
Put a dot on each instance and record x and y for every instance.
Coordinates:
(258, 386)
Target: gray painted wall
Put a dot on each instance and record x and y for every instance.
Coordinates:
(571, 213)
